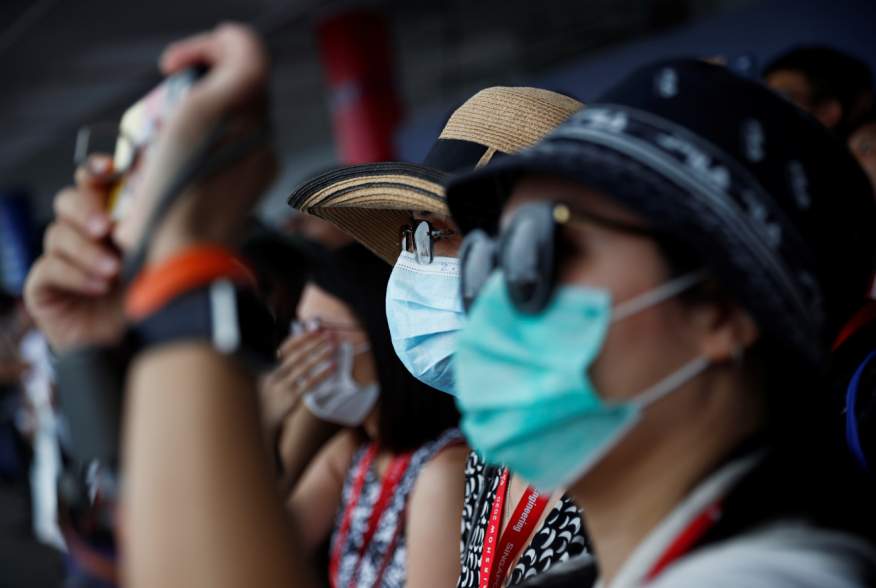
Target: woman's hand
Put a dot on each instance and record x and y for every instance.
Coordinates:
(233, 90)
(305, 361)
(72, 291)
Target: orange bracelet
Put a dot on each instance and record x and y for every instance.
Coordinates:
(192, 268)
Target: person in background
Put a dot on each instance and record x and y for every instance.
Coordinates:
(317, 230)
(29, 537)
(399, 211)
(862, 142)
(388, 488)
(654, 320)
(199, 502)
(270, 254)
(834, 87)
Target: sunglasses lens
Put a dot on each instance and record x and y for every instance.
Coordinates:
(477, 259)
(527, 257)
(423, 242)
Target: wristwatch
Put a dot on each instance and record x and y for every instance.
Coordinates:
(231, 317)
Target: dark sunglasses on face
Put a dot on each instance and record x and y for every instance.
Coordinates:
(419, 238)
(527, 251)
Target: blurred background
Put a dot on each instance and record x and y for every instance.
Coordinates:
(353, 82)
(67, 63)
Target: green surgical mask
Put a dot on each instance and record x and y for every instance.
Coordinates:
(523, 387)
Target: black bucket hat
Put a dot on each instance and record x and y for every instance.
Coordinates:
(776, 206)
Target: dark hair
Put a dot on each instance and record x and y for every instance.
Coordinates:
(832, 75)
(411, 413)
(280, 264)
(808, 472)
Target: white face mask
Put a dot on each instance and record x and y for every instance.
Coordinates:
(339, 399)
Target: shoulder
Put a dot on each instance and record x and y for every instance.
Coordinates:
(446, 468)
(780, 555)
(339, 451)
(440, 482)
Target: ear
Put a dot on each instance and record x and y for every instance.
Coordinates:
(829, 113)
(726, 330)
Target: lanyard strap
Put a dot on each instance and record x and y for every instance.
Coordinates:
(391, 480)
(394, 473)
(523, 521)
(687, 539)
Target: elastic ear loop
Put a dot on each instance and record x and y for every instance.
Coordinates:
(853, 438)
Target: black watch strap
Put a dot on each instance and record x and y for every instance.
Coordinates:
(231, 317)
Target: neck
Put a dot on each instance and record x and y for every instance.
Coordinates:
(642, 480)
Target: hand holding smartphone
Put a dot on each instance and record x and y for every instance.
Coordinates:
(137, 131)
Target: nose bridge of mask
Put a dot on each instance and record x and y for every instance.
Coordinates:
(438, 280)
(417, 294)
(655, 296)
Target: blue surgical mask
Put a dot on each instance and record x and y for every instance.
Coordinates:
(523, 387)
(424, 312)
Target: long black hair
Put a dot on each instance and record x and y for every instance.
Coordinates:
(808, 472)
(411, 413)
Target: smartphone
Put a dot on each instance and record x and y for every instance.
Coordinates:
(138, 129)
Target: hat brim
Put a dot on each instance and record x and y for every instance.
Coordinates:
(657, 194)
(372, 201)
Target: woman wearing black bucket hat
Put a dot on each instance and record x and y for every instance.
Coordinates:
(673, 262)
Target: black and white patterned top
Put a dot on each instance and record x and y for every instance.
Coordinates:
(561, 537)
(383, 562)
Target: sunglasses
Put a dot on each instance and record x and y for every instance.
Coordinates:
(419, 239)
(527, 251)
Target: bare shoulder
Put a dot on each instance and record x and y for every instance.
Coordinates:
(444, 471)
(338, 452)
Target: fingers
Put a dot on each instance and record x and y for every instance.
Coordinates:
(97, 172)
(303, 342)
(316, 376)
(84, 209)
(238, 68)
(283, 388)
(53, 273)
(296, 367)
(88, 255)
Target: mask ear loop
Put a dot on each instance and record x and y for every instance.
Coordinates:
(661, 293)
(673, 381)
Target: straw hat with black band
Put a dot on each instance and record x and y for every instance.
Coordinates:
(373, 201)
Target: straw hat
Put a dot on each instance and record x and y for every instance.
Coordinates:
(372, 201)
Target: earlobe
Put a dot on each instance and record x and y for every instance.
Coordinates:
(731, 333)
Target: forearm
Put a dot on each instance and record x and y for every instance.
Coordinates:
(200, 503)
(303, 435)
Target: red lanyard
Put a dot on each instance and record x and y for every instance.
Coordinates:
(394, 474)
(498, 558)
(686, 540)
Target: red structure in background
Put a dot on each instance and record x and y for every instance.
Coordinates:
(357, 56)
